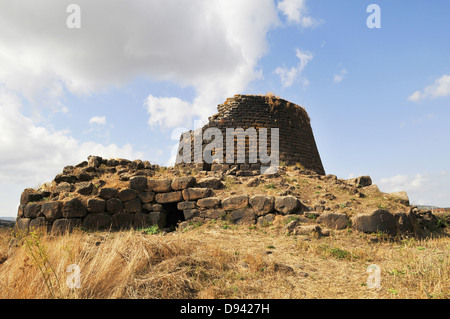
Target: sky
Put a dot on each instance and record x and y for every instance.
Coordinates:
(123, 79)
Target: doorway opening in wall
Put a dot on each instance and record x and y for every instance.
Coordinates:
(173, 215)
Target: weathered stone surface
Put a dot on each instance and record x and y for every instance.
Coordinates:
(401, 197)
(84, 188)
(266, 220)
(52, 210)
(172, 197)
(287, 204)
(138, 183)
(157, 218)
(211, 182)
(262, 204)
(94, 161)
(209, 202)
(157, 208)
(215, 213)
(307, 229)
(122, 220)
(377, 221)
(32, 210)
(133, 206)
(114, 206)
(63, 187)
(253, 182)
(405, 222)
(147, 197)
(159, 185)
(108, 193)
(85, 177)
(361, 181)
(71, 179)
(235, 202)
(100, 221)
(372, 190)
(127, 194)
(186, 205)
(96, 205)
(190, 213)
(29, 195)
(197, 193)
(22, 225)
(20, 211)
(112, 162)
(73, 208)
(242, 216)
(335, 221)
(141, 220)
(180, 183)
(65, 225)
(290, 226)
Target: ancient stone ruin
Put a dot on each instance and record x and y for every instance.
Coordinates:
(114, 194)
(296, 140)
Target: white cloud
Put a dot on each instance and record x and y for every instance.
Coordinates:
(212, 46)
(340, 76)
(99, 120)
(296, 12)
(440, 88)
(32, 154)
(423, 189)
(289, 75)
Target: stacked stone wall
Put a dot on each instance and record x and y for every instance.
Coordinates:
(297, 145)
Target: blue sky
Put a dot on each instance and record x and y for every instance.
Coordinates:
(137, 73)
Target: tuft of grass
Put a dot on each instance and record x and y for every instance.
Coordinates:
(152, 230)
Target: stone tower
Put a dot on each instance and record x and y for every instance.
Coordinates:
(296, 144)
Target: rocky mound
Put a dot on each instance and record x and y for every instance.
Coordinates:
(107, 194)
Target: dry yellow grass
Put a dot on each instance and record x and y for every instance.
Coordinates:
(217, 260)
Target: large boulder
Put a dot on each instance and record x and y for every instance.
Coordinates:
(133, 206)
(159, 185)
(32, 210)
(127, 194)
(108, 193)
(65, 225)
(22, 225)
(172, 197)
(114, 206)
(84, 188)
(262, 204)
(377, 221)
(287, 204)
(52, 210)
(96, 205)
(243, 216)
(361, 181)
(235, 202)
(147, 197)
(180, 183)
(122, 220)
(138, 183)
(190, 194)
(335, 221)
(100, 221)
(209, 202)
(73, 208)
(401, 197)
(29, 195)
(211, 182)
